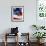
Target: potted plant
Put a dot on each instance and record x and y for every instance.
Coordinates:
(38, 27)
(35, 26)
(39, 36)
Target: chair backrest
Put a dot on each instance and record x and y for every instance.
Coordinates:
(14, 30)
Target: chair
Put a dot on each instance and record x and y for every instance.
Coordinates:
(25, 36)
(14, 32)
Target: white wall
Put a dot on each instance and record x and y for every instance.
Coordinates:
(29, 15)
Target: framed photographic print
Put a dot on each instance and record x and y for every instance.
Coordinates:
(17, 13)
(41, 12)
(41, 8)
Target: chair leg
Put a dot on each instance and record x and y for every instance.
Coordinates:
(17, 39)
(5, 43)
(5, 40)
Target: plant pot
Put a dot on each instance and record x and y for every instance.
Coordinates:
(38, 40)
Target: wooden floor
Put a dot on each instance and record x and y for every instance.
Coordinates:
(13, 44)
